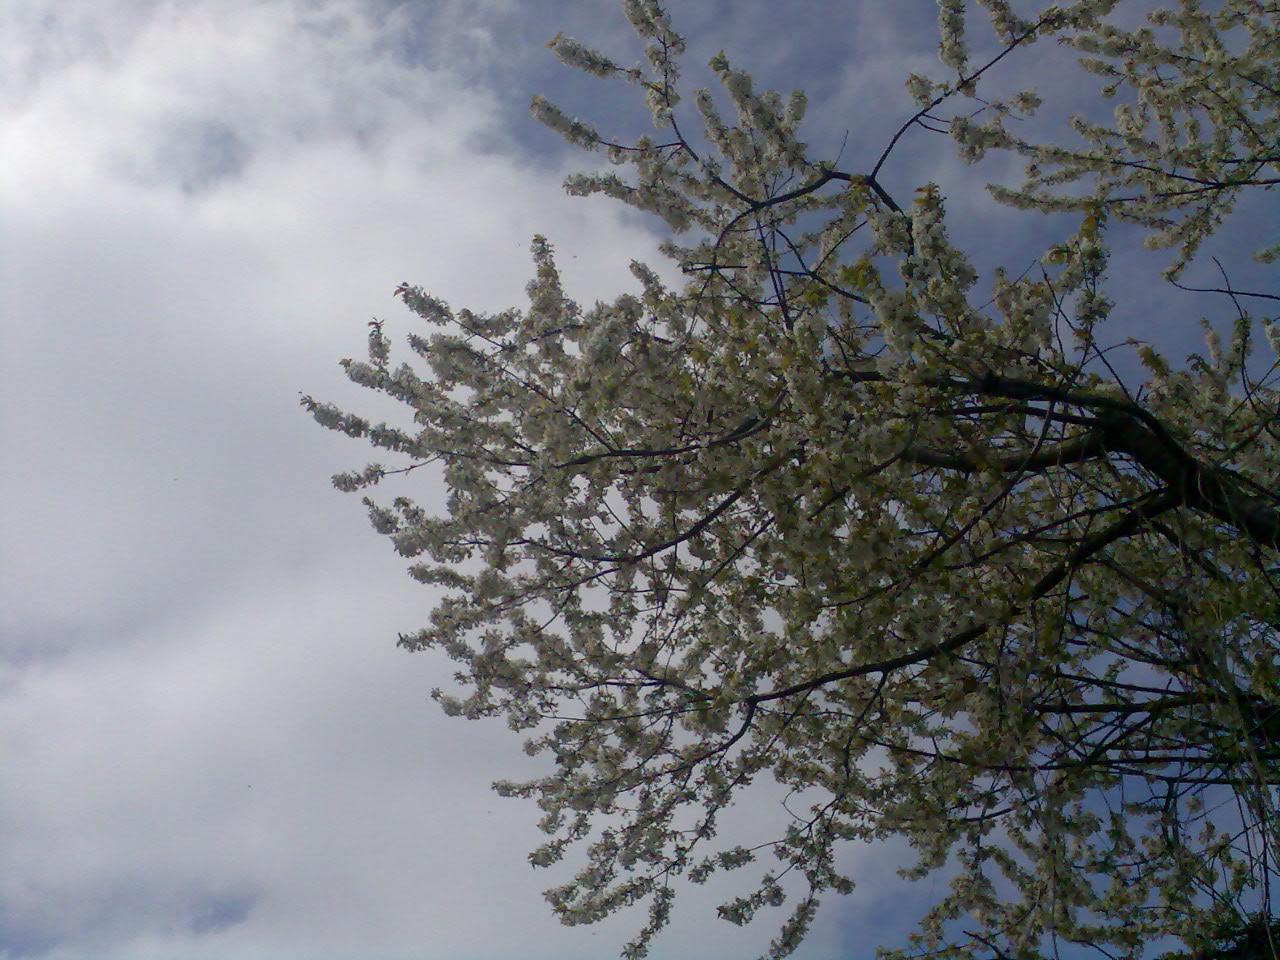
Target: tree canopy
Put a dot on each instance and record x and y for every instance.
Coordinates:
(842, 509)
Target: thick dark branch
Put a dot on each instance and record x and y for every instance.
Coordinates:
(1201, 486)
(1126, 428)
(1133, 431)
(1087, 446)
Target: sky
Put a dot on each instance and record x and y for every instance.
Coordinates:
(210, 746)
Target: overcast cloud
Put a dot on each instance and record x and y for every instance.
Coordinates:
(210, 747)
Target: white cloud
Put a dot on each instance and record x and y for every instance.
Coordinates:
(159, 332)
(276, 752)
